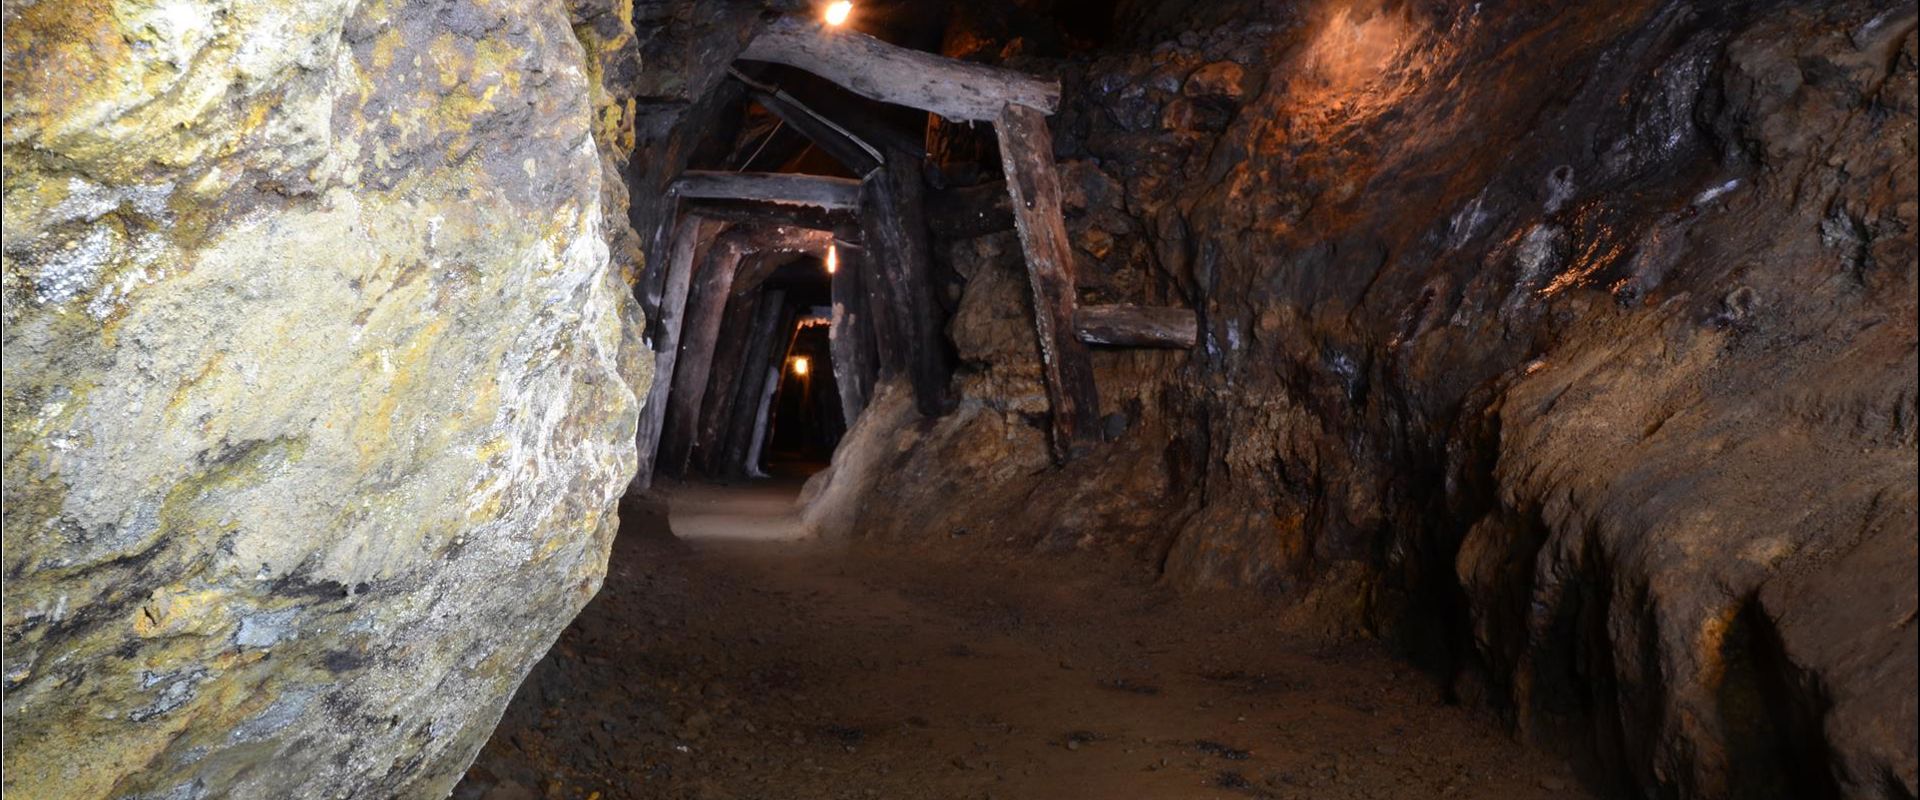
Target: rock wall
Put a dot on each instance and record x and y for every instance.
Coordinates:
(319, 383)
(1571, 347)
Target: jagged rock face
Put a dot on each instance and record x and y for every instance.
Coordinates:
(1572, 349)
(320, 384)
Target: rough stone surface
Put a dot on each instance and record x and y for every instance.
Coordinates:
(319, 384)
(1572, 349)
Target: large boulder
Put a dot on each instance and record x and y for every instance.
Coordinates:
(319, 384)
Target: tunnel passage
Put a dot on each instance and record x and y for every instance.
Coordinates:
(1253, 305)
(845, 147)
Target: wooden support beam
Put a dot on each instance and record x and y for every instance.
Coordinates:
(967, 212)
(779, 244)
(687, 236)
(706, 305)
(818, 191)
(850, 150)
(954, 89)
(893, 215)
(1026, 152)
(729, 360)
(762, 419)
(1137, 326)
(850, 339)
(765, 338)
(754, 212)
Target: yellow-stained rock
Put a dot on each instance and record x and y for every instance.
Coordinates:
(319, 385)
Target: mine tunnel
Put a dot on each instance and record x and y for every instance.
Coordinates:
(582, 400)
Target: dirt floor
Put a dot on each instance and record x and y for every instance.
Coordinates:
(739, 662)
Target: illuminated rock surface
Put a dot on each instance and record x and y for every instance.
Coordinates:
(1572, 350)
(319, 384)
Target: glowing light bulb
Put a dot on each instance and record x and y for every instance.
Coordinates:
(800, 365)
(833, 259)
(838, 12)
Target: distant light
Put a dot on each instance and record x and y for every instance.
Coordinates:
(833, 259)
(838, 12)
(800, 365)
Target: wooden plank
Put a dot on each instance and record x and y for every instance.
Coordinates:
(688, 233)
(949, 87)
(1026, 152)
(818, 191)
(1137, 326)
(770, 322)
(706, 305)
(893, 216)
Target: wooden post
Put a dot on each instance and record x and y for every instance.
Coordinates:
(706, 304)
(687, 236)
(883, 314)
(1026, 152)
(894, 227)
(770, 322)
(730, 361)
(761, 419)
(850, 338)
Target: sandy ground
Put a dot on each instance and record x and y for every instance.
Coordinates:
(741, 662)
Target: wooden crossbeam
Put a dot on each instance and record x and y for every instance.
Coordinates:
(818, 191)
(1137, 326)
(755, 212)
(954, 89)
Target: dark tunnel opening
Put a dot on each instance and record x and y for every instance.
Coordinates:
(803, 420)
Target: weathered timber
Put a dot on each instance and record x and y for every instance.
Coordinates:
(953, 89)
(729, 360)
(818, 191)
(893, 213)
(706, 304)
(850, 339)
(755, 212)
(967, 212)
(850, 150)
(761, 420)
(1026, 152)
(769, 321)
(687, 236)
(668, 137)
(1137, 326)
